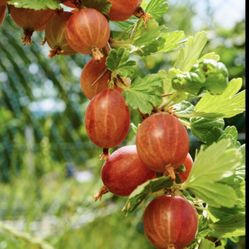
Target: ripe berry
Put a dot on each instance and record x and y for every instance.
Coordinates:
(162, 143)
(88, 31)
(107, 119)
(55, 34)
(94, 78)
(122, 9)
(124, 171)
(30, 20)
(170, 222)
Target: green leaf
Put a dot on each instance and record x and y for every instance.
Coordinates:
(226, 105)
(144, 190)
(190, 53)
(172, 96)
(230, 222)
(207, 130)
(230, 133)
(149, 39)
(190, 82)
(101, 5)
(215, 194)
(212, 165)
(216, 75)
(172, 40)
(139, 38)
(237, 181)
(145, 93)
(211, 55)
(118, 62)
(183, 108)
(207, 244)
(208, 74)
(157, 8)
(36, 4)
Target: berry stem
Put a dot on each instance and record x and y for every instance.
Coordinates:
(53, 52)
(171, 246)
(118, 44)
(101, 192)
(105, 154)
(97, 54)
(169, 171)
(26, 39)
(141, 14)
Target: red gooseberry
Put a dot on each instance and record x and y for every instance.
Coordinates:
(162, 143)
(107, 118)
(122, 9)
(170, 222)
(88, 31)
(124, 171)
(94, 77)
(30, 20)
(55, 34)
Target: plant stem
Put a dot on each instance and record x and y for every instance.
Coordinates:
(118, 44)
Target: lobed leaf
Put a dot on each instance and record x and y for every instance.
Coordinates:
(215, 194)
(207, 130)
(149, 39)
(190, 53)
(226, 105)
(145, 93)
(172, 40)
(231, 133)
(210, 167)
(211, 55)
(230, 222)
(157, 8)
(118, 62)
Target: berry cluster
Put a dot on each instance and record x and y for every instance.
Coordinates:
(162, 142)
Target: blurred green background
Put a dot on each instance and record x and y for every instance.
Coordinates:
(49, 170)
